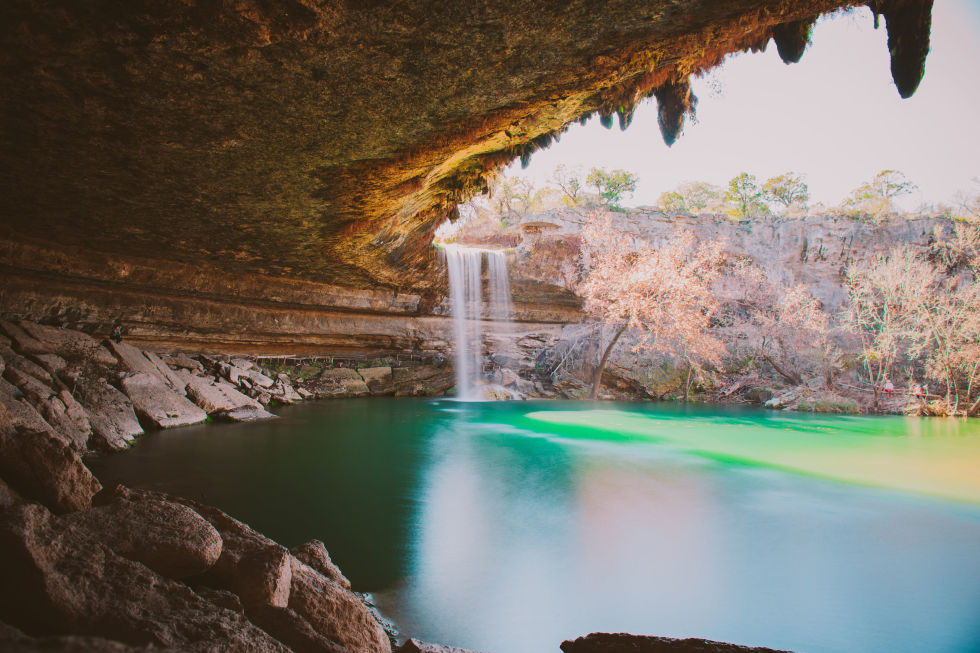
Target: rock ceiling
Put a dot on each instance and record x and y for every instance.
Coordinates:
(327, 140)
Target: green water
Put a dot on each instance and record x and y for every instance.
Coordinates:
(509, 527)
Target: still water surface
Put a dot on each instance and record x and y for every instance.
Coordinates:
(508, 527)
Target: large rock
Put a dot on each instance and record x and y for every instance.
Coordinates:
(314, 553)
(21, 341)
(250, 565)
(293, 630)
(43, 467)
(213, 397)
(69, 343)
(21, 413)
(133, 360)
(338, 383)
(14, 641)
(335, 612)
(110, 412)
(625, 643)
(378, 379)
(68, 418)
(243, 414)
(415, 646)
(422, 380)
(158, 404)
(167, 537)
(57, 579)
(27, 366)
(174, 380)
(33, 388)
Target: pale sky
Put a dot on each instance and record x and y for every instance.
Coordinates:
(835, 117)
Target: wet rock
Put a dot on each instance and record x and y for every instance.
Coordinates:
(338, 382)
(293, 630)
(334, 611)
(167, 537)
(55, 578)
(415, 646)
(158, 404)
(314, 553)
(243, 414)
(422, 380)
(304, 393)
(110, 412)
(41, 466)
(494, 392)
(623, 643)
(378, 379)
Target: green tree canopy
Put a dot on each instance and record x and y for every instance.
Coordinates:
(875, 198)
(612, 186)
(744, 197)
(786, 191)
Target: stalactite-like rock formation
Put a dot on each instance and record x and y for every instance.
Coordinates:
(326, 142)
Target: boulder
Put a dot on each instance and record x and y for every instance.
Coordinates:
(284, 392)
(415, 646)
(27, 366)
(8, 496)
(335, 612)
(70, 344)
(494, 392)
(243, 414)
(133, 360)
(293, 630)
(623, 643)
(53, 363)
(378, 379)
(167, 537)
(213, 397)
(183, 361)
(14, 641)
(508, 377)
(110, 412)
(68, 418)
(158, 404)
(422, 380)
(173, 379)
(21, 341)
(41, 466)
(222, 598)
(21, 413)
(338, 382)
(33, 388)
(242, 363)
(314, 553)
(250, 565)
(56, 579)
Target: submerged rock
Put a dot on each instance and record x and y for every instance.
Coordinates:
(625, 643)
(415, 646)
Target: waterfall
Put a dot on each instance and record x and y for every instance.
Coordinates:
(501, 304)
(465, 266)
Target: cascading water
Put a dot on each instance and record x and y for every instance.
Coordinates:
(465, 266)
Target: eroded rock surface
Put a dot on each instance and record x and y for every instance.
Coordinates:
(158, 404)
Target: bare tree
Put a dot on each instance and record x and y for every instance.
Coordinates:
(663, 294)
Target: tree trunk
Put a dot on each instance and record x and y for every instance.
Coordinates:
(974, 409)
(687, 384)
(792, 378)
(597, 381)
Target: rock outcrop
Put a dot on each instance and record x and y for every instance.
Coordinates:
(625, 643)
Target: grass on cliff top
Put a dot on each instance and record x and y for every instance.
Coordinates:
(939, 458)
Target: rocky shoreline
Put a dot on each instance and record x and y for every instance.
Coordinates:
(87, 568)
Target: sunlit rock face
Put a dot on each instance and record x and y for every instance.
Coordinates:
(327, 140)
